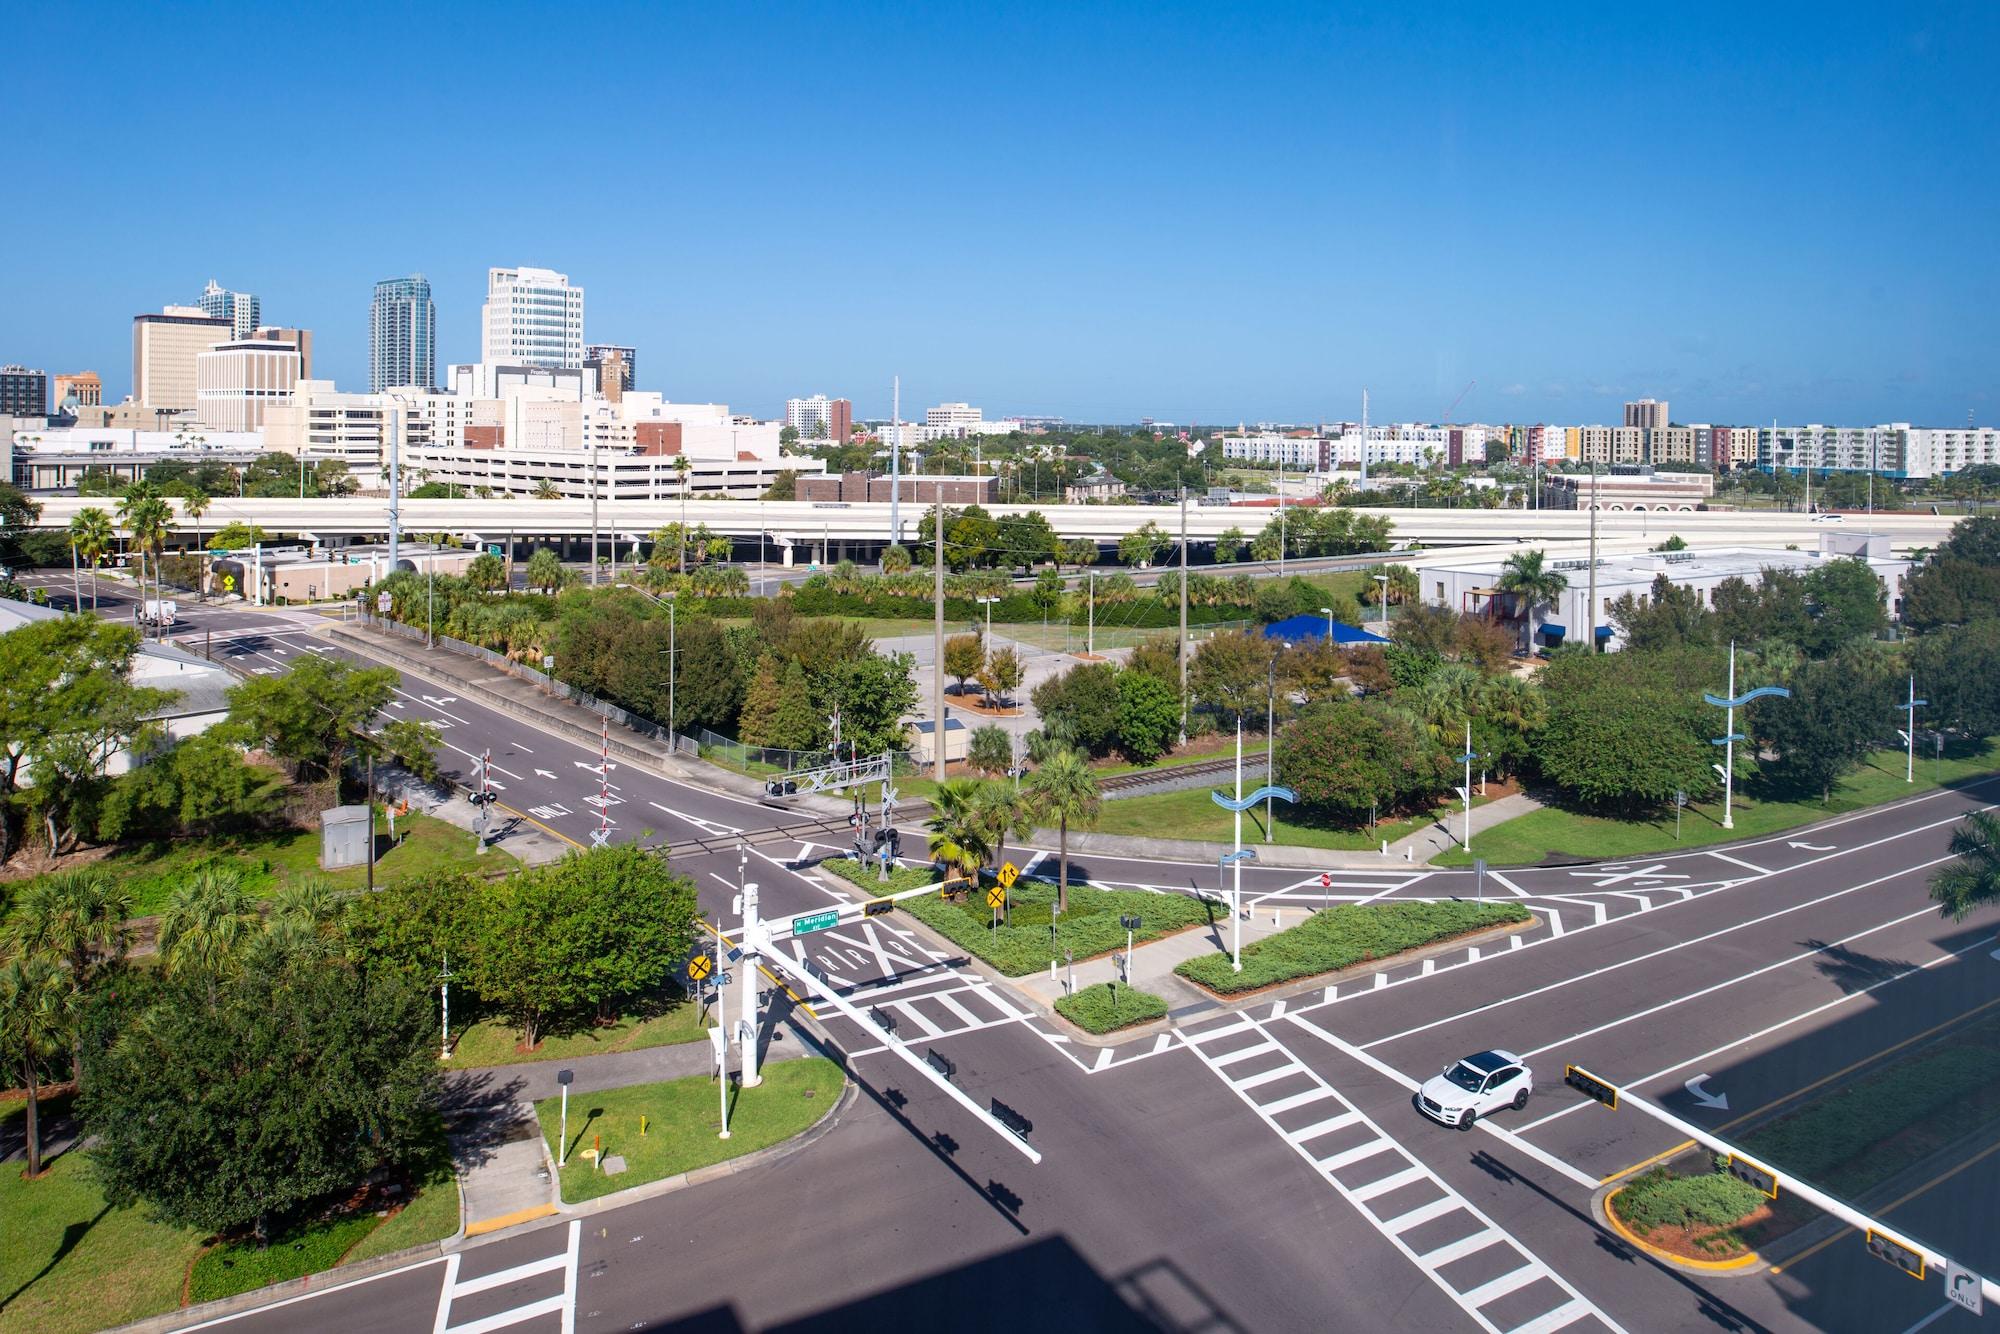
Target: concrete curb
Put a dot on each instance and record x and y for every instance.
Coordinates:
(338, 1277)
(1741, 1266)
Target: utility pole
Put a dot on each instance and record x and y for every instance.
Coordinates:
(722, 1027)
(395, 487)
(747, 1016)
(937, 641)
(444, 997)
(896, 462)
(1090, 616)
(1183, 654)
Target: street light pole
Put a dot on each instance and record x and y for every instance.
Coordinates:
(722, 1026)
(444, 997)
(1730, 736)
(1910, 736)
(1328, 613)
(1236, 892)
(1466, 841)
(1270, 740)
(1383, 581)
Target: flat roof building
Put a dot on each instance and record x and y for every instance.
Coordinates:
(164, 348)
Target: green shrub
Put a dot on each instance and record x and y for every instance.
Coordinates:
(1090, 927)
(900, 877)
(1661, 1199)
(242, 1266)
(1096, 1009)
(1339, 937)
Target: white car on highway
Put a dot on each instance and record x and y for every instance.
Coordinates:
(1477, 1086)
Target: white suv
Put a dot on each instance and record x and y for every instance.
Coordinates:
(1477, 1086)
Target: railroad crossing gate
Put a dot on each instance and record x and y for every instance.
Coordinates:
(1007, 875)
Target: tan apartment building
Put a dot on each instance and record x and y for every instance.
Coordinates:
(164, 349)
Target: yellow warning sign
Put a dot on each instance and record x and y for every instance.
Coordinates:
(1007, 875)
(996, 897)
(700, 966)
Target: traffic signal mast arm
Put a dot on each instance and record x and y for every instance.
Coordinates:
(1806, 1191)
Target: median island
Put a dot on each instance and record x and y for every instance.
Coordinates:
(1341, 937)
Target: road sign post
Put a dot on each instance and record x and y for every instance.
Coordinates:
(563, 1078)
(1680, 804)
(996, 899)
(1325, 890)
(1479, 878)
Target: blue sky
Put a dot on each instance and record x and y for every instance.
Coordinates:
(1186, 212)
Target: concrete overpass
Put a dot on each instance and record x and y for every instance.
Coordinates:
(861, 529)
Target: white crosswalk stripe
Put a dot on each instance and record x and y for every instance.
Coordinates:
(1389, 1177)
(561, 1303)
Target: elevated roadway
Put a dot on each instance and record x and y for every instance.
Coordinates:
(804, 524)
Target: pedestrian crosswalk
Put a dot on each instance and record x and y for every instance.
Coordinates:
(1492, 1277)
(511, 1296)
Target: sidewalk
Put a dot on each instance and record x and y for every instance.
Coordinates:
(514, 836)
(1153, 964)
(1443, 834)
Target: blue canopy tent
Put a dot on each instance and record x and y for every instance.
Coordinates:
(1303, 629)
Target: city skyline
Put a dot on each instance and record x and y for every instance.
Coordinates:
(1235, 251)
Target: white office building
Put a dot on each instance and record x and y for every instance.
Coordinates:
(957, 421)
(235, 383)
(811, 417)
(532, 317)
(1471, 586)
(241, 309)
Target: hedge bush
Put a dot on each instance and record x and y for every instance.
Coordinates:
(900, 877)
(1661, 1199)
(1096, 1010)
(1339, 937)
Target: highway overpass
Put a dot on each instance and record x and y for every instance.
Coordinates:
(860, 529)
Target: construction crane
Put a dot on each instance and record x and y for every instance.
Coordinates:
(1456, 401)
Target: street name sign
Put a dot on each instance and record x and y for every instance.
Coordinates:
(811, 922)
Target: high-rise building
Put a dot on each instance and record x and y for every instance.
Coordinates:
(820, 417)
(243, 311)
(402, 335)
(628, 358)
(164, 348)
(23, 393)
(84, 387)
(300, 339)
(237, 381)
(1648, 414)
(532, 317)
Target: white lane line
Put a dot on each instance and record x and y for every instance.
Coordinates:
(569, 1278)
(1507, 884)
(561, 1303)
(1769, 1029)
(1650, 954)
(317, 1293)
(444, 1294)
(1512, 1137)
(967, 1017)
(916, 1017)
(1925, 911)
(501, 1278)
(518, 746)
(1738, 861)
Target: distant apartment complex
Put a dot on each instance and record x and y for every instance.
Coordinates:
(532, 317)
(402, 335)
(820, 417)
(957, 421)
(1648, 414)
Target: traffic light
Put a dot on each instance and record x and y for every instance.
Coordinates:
(878, 907)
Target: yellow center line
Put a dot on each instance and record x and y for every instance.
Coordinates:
(1893, 1205)
(797, 999)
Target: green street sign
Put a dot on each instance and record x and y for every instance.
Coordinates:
(493, 548)
(811, 922)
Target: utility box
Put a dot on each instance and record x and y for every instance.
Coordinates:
(343, 837)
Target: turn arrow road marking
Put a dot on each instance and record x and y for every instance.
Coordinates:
(1719, 1101)
(1809, 847)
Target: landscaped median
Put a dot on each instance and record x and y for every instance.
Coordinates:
(1341, 937)
(1710, 1219)
(678, 1132)
(1021, 944)
(1106, 1008)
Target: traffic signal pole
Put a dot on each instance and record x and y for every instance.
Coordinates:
(749, 941)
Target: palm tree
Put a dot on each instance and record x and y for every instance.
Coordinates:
(37, 1020)
(1064, 789)
(1531, 584)
(958, 829)
(1974, 879)
(91, 537)
(681, 469)
(77, 918)
(194, 504)
(546, 489)
(208, 917)
(147, 516)
(1004, 809)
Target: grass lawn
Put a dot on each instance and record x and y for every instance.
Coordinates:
(72, 1263)
(681, 1123)
(1859, 1134)
(1342, 936)
(1097, 1009)
(1703, 1210)
(1021, 945)
(1191, 814)
(1527, 839)
(490, 1042)
(268, 861)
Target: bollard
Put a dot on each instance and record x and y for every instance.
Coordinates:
(642, 1125)
(1385, 847)
(1406, 854)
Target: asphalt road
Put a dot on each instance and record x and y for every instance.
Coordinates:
(1261, 1169)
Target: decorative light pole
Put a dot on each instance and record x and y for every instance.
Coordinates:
(1382, 580)
(1910, 732)
(1239, 804)
(1466, 791)
(1730, 736)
